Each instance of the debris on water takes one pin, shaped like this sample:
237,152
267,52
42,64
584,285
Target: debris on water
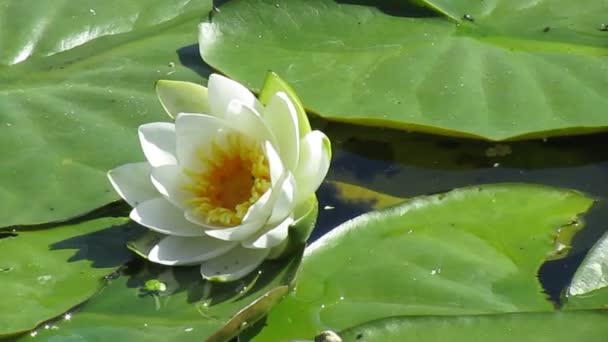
498,150
188,329
604,27
329,207
33,333
468,17
496,165
67,316
171,64
436,271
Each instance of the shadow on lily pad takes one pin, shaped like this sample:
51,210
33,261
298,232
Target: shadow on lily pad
104,248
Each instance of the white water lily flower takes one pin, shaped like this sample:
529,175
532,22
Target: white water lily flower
223,182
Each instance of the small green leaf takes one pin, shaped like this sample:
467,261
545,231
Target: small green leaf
182,97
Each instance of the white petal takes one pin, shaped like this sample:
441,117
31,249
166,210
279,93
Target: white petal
161,216
233,265
177,250
132,182
222,90
261,209
195,134
273,84
285,202
157,140
182,97
169,181
248,121
315,156
273,237
282,119
277,171
237,233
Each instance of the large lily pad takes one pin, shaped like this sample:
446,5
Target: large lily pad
537,327
46,272
514,69
470,251
190,309
77,80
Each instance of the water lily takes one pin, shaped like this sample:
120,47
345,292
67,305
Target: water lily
224,183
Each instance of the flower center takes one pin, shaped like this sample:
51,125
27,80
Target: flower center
236,177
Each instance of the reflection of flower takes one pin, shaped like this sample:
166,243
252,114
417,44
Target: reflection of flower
223,186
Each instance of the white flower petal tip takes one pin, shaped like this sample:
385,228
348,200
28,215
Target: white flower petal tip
315,158
225,185
233,265
131,182
274,84
161,216
273,237
282,119
176,250
222,90
182,97
157,141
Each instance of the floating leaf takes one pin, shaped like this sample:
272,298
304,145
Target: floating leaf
470,251
190,309
77,80
46,272
511,69
549,327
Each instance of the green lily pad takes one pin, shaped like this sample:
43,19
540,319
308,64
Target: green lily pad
512,69
537,327
177,304
77,80
471,251
189,309
46,272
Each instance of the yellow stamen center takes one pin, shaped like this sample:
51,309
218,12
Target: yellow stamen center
236,177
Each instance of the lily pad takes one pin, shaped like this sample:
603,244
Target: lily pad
538,327
77,80
490,69
189,309
471,251
46,272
